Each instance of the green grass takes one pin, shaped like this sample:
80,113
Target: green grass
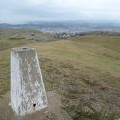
10,38
78,67
84,70
80,114
94,60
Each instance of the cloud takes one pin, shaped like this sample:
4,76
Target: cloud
14,11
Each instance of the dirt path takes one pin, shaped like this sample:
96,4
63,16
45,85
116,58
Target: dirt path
53,112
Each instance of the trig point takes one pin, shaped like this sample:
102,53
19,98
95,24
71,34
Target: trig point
27,89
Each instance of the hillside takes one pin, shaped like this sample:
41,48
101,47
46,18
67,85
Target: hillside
85,71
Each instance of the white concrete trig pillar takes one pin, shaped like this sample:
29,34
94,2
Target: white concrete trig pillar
27,88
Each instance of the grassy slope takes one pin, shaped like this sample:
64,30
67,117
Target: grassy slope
84,70
10,38
87,54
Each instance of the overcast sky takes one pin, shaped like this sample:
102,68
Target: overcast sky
20,11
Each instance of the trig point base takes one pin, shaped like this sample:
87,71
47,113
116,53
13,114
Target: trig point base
27,88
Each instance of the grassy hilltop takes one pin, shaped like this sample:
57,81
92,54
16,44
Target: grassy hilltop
85,70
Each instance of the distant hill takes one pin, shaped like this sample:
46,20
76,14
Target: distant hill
66,26
5,25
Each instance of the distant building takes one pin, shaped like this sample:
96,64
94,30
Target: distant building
62,35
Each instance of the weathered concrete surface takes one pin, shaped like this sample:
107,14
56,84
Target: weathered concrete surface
27,86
